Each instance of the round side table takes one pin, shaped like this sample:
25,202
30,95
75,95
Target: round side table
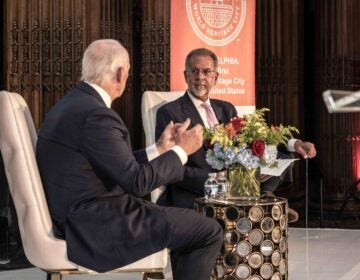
255,245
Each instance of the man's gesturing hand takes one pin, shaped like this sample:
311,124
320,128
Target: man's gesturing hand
167,139
305,149
189,139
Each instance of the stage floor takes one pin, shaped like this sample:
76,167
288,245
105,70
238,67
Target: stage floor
324,254
314,254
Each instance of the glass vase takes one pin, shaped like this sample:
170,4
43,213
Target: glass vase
270,154
243,183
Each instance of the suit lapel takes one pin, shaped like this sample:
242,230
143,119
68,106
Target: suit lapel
189,110
219,112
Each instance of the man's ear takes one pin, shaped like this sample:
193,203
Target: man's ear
216,77
120,74
185,76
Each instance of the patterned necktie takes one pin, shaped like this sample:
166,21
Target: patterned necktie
210,115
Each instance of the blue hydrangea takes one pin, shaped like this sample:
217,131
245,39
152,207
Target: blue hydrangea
229,157
220,159
218,151
247,159
214,161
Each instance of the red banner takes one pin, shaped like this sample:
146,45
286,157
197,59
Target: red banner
227,27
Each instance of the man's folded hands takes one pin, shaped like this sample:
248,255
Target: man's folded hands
190,140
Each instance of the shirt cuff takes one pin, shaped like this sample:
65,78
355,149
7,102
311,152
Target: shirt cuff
181,153
152,152
291,144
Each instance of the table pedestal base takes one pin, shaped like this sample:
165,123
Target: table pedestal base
255,243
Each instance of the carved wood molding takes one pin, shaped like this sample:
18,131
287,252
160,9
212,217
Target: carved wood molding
155,47
46,40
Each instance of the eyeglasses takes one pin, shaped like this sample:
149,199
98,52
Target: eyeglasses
205,72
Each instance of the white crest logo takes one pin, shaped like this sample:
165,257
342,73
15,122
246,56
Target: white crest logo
216,22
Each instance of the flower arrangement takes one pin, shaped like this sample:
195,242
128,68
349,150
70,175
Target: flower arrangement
239,147
243,141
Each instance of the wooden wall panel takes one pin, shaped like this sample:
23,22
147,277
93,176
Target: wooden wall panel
302,49
337,62
279,60
45,41
116,23
279,68
155,45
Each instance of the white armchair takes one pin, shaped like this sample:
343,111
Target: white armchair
150,103
17,143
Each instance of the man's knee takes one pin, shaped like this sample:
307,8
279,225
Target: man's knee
215,229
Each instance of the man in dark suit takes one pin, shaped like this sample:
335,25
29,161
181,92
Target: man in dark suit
94,182
201,75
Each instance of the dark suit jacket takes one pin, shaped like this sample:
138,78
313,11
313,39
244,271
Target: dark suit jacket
183,193
93,182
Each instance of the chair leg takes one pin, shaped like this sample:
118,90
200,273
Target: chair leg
53,276
153,275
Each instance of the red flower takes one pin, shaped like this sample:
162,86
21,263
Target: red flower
257,148
238,123
229,129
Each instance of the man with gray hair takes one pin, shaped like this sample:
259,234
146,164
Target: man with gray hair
94,181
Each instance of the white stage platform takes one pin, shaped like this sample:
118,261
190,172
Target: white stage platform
324,254
314,254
